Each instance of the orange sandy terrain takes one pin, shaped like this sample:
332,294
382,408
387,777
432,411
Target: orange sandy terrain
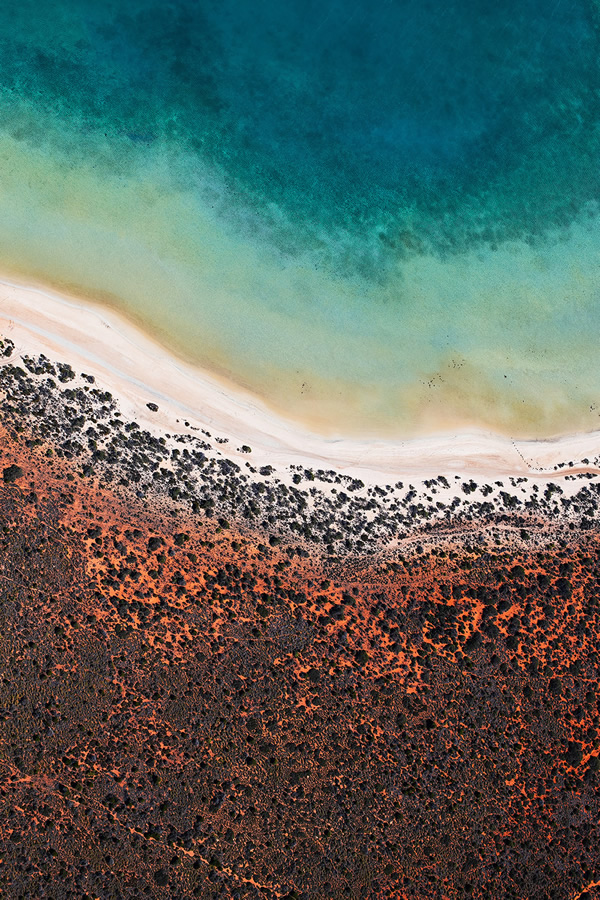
186,711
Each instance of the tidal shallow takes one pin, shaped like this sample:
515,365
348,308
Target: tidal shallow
382,221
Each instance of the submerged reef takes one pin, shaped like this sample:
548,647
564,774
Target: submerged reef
224,682
376,219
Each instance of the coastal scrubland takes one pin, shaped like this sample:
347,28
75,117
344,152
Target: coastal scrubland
226,682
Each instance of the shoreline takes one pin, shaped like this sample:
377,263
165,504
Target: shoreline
138,370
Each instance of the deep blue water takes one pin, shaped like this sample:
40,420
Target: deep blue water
351,138
344,114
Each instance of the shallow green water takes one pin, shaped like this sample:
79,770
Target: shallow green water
381,218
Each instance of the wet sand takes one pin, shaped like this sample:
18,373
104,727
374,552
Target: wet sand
139,371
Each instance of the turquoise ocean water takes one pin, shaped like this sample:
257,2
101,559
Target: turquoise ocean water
380,217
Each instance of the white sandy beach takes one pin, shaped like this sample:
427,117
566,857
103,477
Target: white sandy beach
137,370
